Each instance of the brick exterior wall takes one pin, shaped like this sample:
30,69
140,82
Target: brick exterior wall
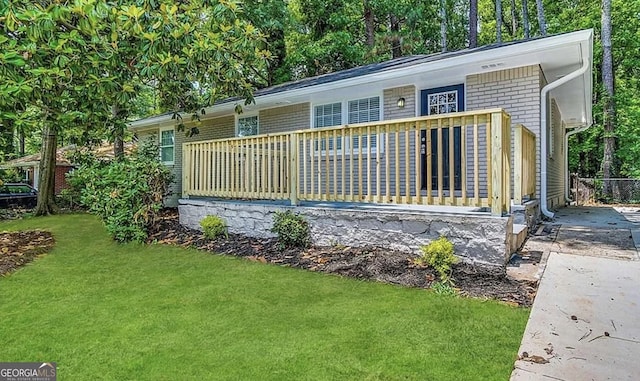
391,96
286,118
60,181
516,90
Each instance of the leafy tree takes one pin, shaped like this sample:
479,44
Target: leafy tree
67,59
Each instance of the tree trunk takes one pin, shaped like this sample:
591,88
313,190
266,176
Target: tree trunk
118,132
473,23
369,24
542,22
514,19
396,48
443,25
46,186
608,162
525,19
499,21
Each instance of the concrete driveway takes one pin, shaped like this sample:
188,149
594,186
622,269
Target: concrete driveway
583,324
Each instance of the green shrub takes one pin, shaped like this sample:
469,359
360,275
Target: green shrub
291,228
126,193
439,255
214,227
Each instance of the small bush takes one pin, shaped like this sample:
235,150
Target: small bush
214,227
291,228
439,255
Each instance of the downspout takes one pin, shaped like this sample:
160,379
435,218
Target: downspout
544,105
567,187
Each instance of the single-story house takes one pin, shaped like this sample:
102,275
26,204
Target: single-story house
398,152
30,165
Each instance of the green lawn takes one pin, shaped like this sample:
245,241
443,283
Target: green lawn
107,311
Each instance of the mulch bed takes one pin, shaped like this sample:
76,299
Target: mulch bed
371,263
19,248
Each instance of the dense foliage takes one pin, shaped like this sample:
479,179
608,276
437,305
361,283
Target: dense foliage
125,193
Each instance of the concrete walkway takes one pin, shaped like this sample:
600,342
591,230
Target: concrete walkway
584,321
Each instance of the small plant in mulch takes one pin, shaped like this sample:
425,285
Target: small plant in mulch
19,248
439,255
214,227
292,230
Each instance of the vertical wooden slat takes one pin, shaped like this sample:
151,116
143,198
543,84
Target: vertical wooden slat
429,165
452,163
343,178
397,197
440,165
327,189
281,163
202,173
379,150
228,168
305,140
294,168
417,176
407,165
463,164
335,163
387,169
369,158
489,137
360,180
312,172
476,162
351,164
186,168
319,166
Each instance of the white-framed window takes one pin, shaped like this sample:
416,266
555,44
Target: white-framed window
363,111
327,115
247,125
352,111
167,145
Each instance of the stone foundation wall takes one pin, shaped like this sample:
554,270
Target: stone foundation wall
527,214
478,238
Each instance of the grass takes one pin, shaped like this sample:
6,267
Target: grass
106,311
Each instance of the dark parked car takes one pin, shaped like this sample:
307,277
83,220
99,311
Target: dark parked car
17,195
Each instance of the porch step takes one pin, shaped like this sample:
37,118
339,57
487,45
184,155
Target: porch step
519,234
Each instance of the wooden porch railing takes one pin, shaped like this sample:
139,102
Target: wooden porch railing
458,159
524,179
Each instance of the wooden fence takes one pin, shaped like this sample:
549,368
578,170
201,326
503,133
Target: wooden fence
457,159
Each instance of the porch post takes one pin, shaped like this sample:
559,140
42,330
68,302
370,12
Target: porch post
186,169
497,168
294,141
518,151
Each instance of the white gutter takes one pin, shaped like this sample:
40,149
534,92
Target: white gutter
567,187
544,105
